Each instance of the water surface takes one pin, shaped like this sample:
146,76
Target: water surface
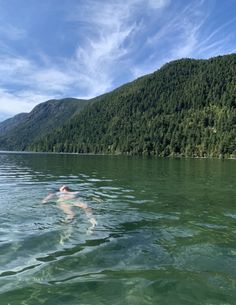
165,234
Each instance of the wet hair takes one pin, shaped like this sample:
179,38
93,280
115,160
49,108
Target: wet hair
64,187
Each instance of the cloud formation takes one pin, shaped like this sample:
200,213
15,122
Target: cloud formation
86,48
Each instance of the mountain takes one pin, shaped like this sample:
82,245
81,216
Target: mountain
11,123
187,108
23,129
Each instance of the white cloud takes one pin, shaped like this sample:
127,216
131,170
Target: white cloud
98,60
12,103
25,72
22,101
113,27
101,55
158,4
11,32
184,32
12,66
92,69
115,39
96,63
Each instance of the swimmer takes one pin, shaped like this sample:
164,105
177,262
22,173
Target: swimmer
66,199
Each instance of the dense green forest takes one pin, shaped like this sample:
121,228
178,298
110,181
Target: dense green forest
187,108
20,131
9,124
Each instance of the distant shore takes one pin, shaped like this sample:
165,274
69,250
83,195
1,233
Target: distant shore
103,154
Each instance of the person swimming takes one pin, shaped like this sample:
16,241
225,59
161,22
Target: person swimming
66,199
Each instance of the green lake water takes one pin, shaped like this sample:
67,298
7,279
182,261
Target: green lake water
165,233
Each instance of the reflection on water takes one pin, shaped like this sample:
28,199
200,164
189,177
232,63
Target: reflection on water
165,231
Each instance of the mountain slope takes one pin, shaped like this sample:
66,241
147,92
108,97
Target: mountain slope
187,108
11,123
43,119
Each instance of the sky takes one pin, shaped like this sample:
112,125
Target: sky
84,48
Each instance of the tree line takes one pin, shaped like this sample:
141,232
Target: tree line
187,108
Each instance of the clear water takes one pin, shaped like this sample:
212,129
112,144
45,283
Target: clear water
165,234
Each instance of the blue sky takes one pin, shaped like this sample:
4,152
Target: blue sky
84,48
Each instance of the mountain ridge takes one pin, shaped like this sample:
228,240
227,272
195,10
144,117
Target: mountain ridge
41,120
8,124
186,108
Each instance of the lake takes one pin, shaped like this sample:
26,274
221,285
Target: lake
165,232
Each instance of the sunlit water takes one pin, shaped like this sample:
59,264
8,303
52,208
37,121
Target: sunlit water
165,233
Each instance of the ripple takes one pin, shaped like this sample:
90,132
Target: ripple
231,215
15,272
163,236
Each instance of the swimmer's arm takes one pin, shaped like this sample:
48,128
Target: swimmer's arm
48,197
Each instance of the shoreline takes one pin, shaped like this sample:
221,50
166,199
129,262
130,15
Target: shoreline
120,154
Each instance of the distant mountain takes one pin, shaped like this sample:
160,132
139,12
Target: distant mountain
187,108
11,123
23,129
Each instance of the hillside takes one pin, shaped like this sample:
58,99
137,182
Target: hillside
187,108
22,130
11,123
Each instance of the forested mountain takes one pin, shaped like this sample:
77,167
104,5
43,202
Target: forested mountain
11,123
187,108
20,131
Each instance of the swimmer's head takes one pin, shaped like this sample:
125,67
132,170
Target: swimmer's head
64,188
